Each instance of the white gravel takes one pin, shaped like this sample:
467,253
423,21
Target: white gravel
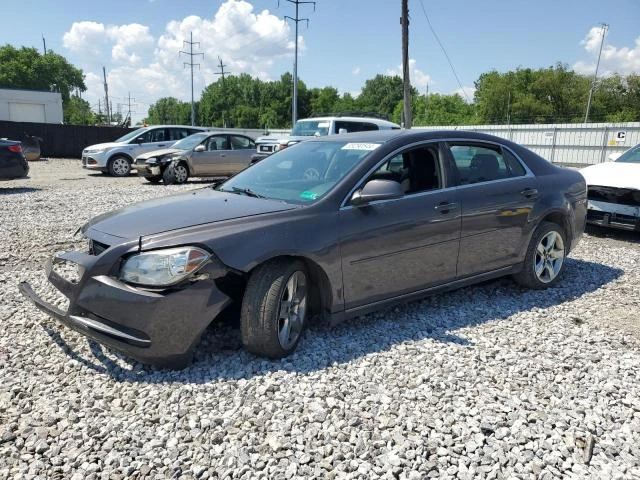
490,381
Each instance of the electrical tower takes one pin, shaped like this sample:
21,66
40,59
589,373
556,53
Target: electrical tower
603,30
296,20
191,43
222,73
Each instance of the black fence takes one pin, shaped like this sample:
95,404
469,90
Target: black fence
66,141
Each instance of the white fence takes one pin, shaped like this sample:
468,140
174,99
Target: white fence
568,144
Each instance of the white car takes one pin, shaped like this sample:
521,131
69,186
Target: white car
116,158
614,191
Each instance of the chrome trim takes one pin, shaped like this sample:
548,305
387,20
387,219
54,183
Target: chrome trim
345,203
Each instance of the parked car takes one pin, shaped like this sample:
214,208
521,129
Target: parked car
392,216
200,155
614,191
319,127
116,158
13,163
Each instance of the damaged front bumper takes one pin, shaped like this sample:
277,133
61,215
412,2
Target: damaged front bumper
614,207
159,327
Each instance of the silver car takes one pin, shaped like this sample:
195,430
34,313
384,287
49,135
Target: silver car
207,154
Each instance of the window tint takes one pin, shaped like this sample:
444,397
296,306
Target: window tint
350,126
156,135
416,170
178,133
241,143
484,163
218,142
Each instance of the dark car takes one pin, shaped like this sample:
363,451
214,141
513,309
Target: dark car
386,217
200,155
13,164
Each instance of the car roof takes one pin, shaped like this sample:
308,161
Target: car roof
377,121
175,126
383,136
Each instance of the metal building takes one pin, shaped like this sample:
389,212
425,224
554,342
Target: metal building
30,106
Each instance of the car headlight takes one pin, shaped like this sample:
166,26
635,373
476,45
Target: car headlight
97,150
151,160
161,268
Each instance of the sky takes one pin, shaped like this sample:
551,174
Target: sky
345,43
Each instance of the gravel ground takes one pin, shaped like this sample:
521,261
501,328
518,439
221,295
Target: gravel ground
490,381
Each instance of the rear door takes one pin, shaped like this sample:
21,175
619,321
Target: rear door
497,194
239,156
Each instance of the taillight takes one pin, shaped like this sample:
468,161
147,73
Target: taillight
15,148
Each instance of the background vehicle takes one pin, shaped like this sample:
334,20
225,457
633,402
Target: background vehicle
116,158
614,191
390,217
200,155
13,164
319,127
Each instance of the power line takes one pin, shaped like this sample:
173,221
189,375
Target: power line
191,43
444,51
603,31
296,20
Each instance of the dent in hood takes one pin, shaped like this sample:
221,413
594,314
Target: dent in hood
180,211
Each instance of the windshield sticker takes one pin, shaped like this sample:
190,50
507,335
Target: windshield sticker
360,146
307,195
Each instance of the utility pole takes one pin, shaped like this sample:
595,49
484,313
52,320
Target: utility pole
296,20
406,80
191,43
509,108
222,73
129,110
603,31
44,44
106,96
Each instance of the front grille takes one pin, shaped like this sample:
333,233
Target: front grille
84,160
620,196
96,248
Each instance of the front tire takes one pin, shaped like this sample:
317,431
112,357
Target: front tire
545,258
154,179
274,308
175,174
119,166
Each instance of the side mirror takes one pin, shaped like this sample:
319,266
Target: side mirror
377,190
199,148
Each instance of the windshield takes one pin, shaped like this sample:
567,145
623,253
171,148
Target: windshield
131,135
302,173
630,156
308,128
190,142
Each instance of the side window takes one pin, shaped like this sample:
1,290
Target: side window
157,135
369,126
218,142
484,163
348,126
241,143
176,134
416,170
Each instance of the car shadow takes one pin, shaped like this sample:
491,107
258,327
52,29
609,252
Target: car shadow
220,356
613,234
17,190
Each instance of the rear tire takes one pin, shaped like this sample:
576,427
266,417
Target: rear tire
274,308
175,174
545,259
119,166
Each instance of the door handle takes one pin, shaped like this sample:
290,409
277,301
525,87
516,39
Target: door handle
529,192
446,207
162,145
222,155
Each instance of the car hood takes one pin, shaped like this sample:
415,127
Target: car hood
160,153
198,207
298,138
613,174
101,146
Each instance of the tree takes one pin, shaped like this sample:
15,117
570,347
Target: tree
78,112
437,109
170,110
381,94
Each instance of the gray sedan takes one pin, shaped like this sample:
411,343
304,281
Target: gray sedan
330,228
199,155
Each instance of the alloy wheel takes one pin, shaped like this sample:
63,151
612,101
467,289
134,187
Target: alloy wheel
292,310
549,257
120,166
181,173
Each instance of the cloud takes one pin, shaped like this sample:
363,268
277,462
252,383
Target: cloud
356,71
622,60
419,79
248,41
469,91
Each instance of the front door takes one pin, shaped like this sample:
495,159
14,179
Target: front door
497,195
210,162
400,246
